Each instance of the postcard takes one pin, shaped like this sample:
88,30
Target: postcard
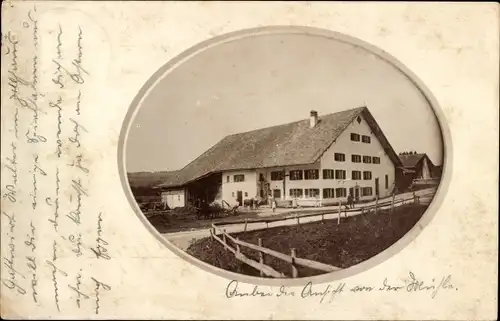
249,160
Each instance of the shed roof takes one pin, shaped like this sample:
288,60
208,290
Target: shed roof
277,146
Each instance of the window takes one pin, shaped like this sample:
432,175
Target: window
339,157
227,179
366,191
340,192
277,176
296,192
232,194
239,178
367,175
355,137
328,174
311,174
312,192
328,193
356,175
356,158
340,174
261,177
246,194
376,160
386,181
276,193
296,175
366,139
367,159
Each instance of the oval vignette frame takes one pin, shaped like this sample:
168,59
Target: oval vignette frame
327,277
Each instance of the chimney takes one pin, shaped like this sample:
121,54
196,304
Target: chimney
313,119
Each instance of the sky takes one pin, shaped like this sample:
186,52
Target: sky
267,80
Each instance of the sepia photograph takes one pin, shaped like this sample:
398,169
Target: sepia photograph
284,154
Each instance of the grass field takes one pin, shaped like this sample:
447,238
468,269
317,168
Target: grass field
356,239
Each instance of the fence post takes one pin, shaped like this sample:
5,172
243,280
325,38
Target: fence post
340,209
224,239
376,204
295,272
246,223
322,217
414,198
261,256
298,219
237,253
237,247
392,202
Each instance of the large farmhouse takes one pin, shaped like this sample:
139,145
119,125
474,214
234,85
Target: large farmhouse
316,161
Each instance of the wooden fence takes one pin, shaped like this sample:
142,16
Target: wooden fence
223,238
234,244
426,181
341,209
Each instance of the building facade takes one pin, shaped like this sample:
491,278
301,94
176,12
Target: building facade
315,162
355,163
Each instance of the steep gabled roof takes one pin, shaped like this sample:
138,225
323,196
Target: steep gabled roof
283,145
411,160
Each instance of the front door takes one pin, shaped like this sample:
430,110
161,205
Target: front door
239,197
376,187
276,193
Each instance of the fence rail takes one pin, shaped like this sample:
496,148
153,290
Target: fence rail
267,270
261,266
426,181
344,210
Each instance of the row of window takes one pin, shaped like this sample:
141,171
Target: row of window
356,138
246,194
328,174
327,192
309,174
340,157
314,192
236,178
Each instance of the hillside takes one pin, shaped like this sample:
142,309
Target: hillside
142,183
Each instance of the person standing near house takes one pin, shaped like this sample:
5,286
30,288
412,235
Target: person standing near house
350,201
273,205
256,202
